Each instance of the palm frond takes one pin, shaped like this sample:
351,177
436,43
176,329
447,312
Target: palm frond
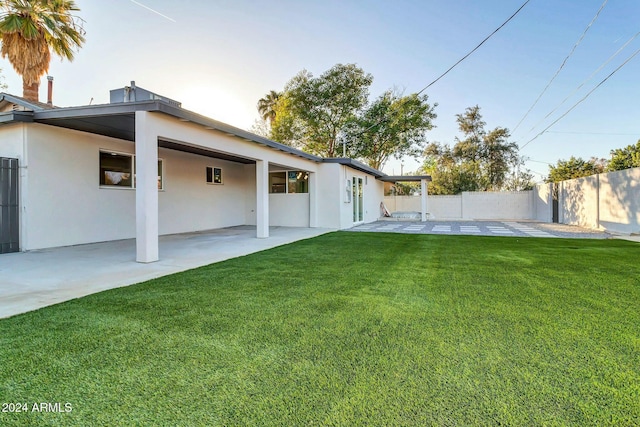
31,29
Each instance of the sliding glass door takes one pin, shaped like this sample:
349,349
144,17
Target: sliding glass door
357,195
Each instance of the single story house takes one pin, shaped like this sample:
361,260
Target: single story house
142,166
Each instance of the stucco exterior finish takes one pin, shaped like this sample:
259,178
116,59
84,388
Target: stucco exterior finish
289,210
67,206
340,180
13,142
64,204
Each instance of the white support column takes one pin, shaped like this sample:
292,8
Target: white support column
262,202
313,199
146,170
423,198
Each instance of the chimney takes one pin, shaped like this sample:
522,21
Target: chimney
50,91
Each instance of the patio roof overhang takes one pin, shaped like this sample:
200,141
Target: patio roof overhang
117,120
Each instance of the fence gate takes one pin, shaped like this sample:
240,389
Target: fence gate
9,222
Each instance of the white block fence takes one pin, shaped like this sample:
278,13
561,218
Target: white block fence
518,205
608,201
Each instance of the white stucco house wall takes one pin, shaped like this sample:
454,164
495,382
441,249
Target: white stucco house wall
140,168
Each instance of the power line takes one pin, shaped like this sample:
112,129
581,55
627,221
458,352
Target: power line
475,48
584,33
538,161
454,65
459,61
585,97
585,81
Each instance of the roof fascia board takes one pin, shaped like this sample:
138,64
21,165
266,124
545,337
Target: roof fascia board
355,165
405,178
16,117
96,110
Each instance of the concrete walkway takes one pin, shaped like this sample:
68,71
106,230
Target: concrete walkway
40,278
485,228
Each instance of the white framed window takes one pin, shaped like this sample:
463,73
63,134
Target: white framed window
117,170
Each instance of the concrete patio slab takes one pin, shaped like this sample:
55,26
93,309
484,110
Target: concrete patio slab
35,279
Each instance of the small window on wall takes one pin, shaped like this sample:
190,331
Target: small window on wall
214,175
289,182
116,170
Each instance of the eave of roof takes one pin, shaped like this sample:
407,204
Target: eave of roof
355,165
16,117
405,178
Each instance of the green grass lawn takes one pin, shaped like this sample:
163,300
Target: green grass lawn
347,329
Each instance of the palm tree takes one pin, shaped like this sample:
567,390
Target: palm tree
31,29
267,106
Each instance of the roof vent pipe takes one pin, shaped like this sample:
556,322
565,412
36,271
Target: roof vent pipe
132,89
50,91
130,92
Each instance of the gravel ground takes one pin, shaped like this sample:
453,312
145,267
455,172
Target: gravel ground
484,228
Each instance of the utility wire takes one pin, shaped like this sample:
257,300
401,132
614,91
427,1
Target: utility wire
538,161
585,81
585,97
454,65
476,48
584,33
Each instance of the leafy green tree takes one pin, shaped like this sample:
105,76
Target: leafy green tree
575,167
480,161
625,158
325,105
31,30
288,128
329,114
520,180
491,150
450,174
393,125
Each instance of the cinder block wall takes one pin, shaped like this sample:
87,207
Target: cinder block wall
608,201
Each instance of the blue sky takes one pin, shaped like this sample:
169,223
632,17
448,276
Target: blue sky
219,57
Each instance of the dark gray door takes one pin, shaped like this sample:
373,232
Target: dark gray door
555,215
9,222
